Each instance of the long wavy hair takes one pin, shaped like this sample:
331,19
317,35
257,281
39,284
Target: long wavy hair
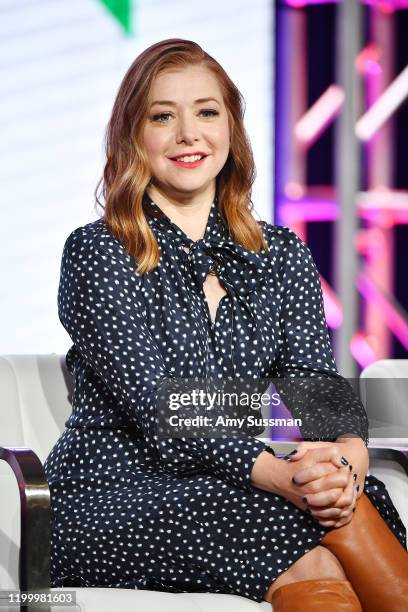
127,174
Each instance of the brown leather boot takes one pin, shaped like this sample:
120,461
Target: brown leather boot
326,595
373,560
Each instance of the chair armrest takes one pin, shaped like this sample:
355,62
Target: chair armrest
35,532
390,453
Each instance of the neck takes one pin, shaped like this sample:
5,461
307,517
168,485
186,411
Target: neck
190,216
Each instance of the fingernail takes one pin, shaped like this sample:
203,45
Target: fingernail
355,476
305,500
344,461
354,508
350,467
289,454
358,487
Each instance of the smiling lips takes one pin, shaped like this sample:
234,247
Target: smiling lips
189,154
189,161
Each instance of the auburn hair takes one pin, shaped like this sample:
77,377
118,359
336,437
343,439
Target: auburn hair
126,173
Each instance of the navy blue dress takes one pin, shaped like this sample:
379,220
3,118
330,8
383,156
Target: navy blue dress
133,510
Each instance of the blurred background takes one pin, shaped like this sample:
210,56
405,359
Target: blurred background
341,164
324,84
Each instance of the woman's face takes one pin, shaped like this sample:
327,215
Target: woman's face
180,123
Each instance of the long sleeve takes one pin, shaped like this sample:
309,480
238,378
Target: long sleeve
101,306
311,385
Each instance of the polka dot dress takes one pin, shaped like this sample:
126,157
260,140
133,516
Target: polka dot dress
133,510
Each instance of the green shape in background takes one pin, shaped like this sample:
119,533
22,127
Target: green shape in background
122,11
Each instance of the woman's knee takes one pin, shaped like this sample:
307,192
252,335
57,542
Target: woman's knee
316,564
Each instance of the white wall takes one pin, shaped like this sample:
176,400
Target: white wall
61,64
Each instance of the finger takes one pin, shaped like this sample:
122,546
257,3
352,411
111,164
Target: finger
313,474
347,515
302,448
326,478
348,510
320,455
346,499
330,512
327,522
295,456
343,522
326,499
341,508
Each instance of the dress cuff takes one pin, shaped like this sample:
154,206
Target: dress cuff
232,459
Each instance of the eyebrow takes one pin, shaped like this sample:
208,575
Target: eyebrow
171,103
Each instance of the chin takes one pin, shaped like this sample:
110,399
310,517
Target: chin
188,187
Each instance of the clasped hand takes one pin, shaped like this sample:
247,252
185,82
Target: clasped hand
328,487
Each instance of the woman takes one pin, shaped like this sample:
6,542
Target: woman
177,281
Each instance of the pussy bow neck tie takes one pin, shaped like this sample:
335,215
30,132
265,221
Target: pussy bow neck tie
240,271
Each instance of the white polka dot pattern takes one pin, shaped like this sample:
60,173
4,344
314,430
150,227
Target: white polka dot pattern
132,510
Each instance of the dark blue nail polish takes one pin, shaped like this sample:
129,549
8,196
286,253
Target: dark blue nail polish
350,467
354,509
289,454
344,461
355,476
304,499
357,487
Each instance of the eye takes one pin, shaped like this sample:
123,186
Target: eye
161,117
213,112
158,117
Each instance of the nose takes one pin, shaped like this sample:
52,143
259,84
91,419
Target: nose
187,129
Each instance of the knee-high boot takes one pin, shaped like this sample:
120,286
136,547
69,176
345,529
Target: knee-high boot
327,595
373,560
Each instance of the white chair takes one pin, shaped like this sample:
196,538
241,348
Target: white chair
36,392
384,393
